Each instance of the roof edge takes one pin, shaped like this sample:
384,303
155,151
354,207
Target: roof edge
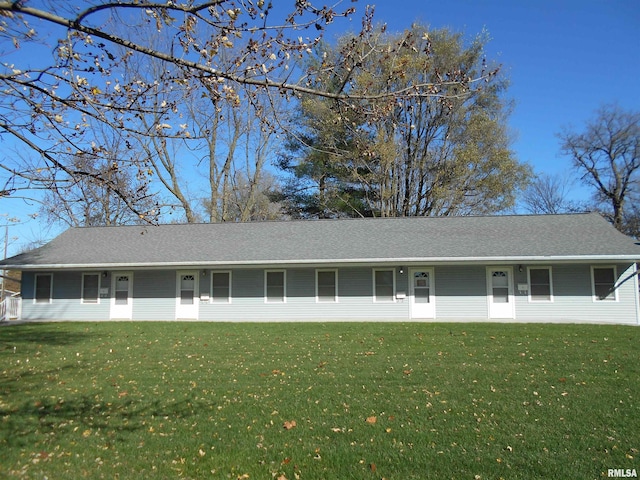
333,261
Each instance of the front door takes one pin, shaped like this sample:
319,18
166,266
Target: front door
422,291
500,292
187,295
122,297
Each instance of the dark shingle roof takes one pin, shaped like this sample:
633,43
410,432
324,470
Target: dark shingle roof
423,239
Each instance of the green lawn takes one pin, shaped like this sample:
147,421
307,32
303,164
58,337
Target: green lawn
318,401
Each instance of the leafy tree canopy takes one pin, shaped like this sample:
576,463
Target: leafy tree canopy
446,153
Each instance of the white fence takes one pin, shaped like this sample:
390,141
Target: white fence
10,308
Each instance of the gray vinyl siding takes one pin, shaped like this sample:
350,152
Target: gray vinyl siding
355,300
460,294
573,299
66,303
154,295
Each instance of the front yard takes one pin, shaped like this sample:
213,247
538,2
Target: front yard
318,401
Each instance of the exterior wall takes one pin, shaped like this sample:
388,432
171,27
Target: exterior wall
66,299
154,295
573,299
355,301
460,295
461,292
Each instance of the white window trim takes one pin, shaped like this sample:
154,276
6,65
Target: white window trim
393,293
284,279
35,285
211,299
593,284
541,267
335,276
82,300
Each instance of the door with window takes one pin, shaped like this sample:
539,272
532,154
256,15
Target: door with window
187,295
422,293
122,296
500,292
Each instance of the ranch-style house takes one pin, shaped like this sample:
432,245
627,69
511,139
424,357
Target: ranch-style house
512,268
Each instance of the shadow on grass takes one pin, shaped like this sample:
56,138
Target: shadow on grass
38,333
84,416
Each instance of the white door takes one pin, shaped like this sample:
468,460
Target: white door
422,293
122,297
500,292
187,296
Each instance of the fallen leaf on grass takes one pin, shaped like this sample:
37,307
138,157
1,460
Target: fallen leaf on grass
288,425
373,467
373,419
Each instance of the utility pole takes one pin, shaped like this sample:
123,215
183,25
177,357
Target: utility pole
4,271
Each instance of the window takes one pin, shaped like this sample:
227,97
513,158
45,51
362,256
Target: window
275,286
187,289
122,284
604,282
326,285
221,287
384,285
90,288
421,286
43,288
540,286
500,286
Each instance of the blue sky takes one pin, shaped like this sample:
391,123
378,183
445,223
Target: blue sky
564,58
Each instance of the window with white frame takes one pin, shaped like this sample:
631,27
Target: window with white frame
43,288
384,285
326,286
90,288
221,287
275,289
603,281
540,284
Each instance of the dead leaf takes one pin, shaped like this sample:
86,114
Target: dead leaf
288,425
373,419
282,477
373,467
